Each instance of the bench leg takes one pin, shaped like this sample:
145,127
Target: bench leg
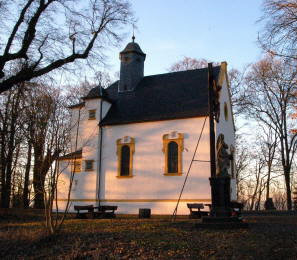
195,215
105,215
81,215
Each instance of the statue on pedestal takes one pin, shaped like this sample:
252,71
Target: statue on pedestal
223,157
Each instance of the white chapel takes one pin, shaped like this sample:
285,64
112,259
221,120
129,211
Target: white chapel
133,142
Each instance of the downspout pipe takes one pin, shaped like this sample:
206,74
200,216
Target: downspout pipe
100,152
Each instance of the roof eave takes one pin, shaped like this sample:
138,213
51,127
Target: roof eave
79,105
150,120
133,51
74,155
98,97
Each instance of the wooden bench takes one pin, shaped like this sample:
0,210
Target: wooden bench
235,206
89,211
84,211
106,211
195,210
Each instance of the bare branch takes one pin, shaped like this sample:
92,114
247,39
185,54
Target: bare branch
42,25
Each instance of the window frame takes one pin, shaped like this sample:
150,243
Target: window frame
92,111
92,164
125,164
226,111
179,140
172,158
130,142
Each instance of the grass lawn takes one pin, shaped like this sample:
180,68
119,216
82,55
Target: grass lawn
156,238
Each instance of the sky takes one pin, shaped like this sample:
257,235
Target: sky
217,30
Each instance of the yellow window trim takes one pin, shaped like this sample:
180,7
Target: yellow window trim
180,142
74,168
92,111
173,174
131,145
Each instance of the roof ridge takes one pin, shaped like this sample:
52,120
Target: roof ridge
164,74
180,71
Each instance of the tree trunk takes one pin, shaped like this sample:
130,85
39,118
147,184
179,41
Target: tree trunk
268,182
260,195
288,188
27,173
41,167
5,198
3,186
38,184
8,144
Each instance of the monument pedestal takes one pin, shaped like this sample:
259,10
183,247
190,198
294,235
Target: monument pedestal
220,193
220,213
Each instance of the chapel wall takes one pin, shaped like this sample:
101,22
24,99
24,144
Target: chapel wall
149,186
226,127
84,186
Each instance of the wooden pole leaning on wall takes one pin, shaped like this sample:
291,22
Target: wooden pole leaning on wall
211,121
212,137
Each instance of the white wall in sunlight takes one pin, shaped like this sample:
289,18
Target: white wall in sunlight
149,182
227,128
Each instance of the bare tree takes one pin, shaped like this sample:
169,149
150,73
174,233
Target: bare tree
10,139
47,35
28,133
257,180
271,85
268,145
242,161
188,63
60,139
42,109
236,80
279,34
279,197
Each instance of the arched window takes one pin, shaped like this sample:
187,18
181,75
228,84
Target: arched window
125,151
125,160
172,148
172,159
226,111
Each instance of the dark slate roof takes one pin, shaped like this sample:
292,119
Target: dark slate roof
81,104
93,93
74,155
97,92
133,47
160,97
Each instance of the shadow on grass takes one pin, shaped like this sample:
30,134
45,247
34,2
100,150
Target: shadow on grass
124,238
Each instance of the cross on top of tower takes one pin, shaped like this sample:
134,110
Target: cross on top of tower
133,37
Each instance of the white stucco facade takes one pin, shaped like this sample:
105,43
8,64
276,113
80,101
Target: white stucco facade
148,187
225,125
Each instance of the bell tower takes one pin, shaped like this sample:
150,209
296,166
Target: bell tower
132,65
